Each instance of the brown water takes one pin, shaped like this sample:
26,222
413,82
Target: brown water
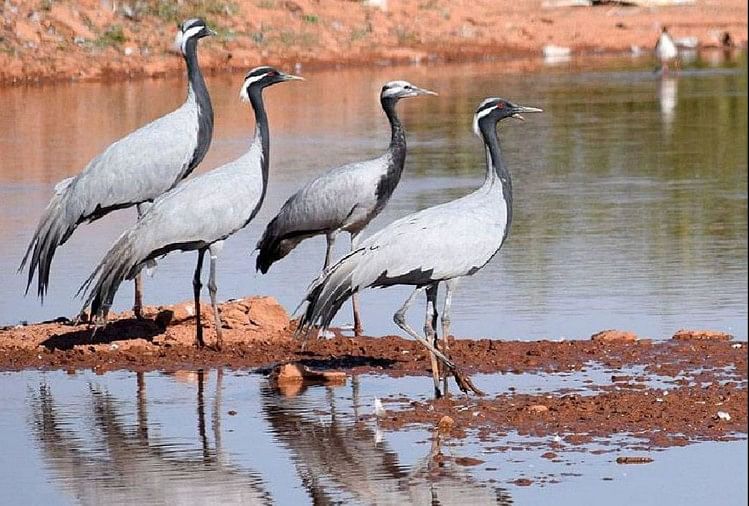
630,205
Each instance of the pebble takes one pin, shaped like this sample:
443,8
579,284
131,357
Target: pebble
722,415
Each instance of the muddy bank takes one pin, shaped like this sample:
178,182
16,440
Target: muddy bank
701,376
54,40
259,333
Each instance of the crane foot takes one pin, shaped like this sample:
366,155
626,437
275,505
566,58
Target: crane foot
464,382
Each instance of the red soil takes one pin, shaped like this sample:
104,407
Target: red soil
43,40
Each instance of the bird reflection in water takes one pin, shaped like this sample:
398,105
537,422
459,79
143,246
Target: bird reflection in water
97,451
342,458
107,459
667,98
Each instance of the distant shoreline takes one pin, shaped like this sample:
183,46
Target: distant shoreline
82,41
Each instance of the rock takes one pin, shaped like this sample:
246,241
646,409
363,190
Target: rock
295,373
538,408
68,21
614,336
445,425
468,461
701,335
377,4
523,482
633,460
723,416
552,51
27,31
267,313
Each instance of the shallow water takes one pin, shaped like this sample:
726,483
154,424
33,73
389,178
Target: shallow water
229,437
630,206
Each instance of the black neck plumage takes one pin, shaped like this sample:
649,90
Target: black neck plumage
496,169
397,150
262,133
196,85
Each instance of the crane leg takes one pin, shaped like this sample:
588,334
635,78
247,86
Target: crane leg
212,291
196,286
358,329
330,239
400,319
430,324
138,303
450,286
464,382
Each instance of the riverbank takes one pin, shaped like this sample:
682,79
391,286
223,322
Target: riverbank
59,40
692,387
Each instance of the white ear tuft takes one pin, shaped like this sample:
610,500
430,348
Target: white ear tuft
177,44
476,117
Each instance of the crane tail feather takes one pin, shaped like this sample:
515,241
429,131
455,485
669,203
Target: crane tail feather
54,228
121,262
330,291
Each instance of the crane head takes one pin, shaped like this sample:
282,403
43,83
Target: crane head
493,110
260,77
192,29
402,89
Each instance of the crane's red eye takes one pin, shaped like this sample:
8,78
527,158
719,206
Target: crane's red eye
501,105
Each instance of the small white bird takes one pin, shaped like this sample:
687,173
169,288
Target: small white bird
665,50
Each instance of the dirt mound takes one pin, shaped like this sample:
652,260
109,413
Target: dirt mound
244,321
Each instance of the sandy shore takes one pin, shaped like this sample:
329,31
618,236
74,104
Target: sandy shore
704,373
43,40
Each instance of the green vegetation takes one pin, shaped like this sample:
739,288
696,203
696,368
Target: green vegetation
178,11
405,36
310,18
266,4
113,36
302,39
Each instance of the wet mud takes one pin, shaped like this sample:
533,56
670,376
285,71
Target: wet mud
701,376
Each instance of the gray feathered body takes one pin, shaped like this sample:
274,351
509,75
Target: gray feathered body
192,216
346,198
447,241
135,169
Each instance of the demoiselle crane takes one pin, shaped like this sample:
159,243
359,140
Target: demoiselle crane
346,198
197,215
440,244
132,171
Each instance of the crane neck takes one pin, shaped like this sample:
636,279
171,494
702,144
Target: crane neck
497,174
262,134
197,91
397,146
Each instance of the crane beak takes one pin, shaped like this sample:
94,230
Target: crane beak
290,77
522,109
422,91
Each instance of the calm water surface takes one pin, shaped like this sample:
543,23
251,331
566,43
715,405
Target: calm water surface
228,437
630,205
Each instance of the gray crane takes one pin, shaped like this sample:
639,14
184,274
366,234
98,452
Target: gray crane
132,171
346,198
439,244
197,215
